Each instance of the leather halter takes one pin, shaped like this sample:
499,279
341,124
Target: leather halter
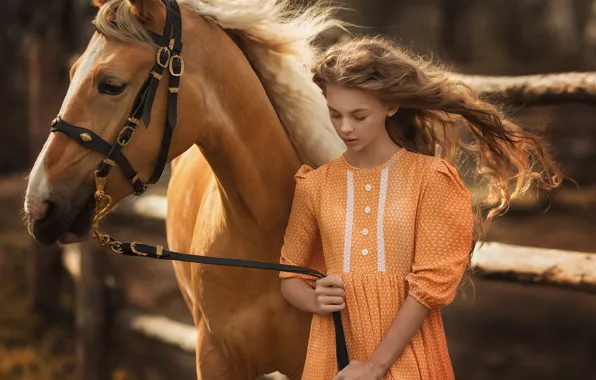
168,60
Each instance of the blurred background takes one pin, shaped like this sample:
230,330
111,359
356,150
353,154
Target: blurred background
64,315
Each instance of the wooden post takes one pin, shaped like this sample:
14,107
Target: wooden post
91,313
46,89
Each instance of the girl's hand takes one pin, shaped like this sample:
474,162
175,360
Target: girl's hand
329,295
358,371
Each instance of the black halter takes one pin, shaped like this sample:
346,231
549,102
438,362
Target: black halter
169,60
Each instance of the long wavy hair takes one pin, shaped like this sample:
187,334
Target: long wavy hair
441,116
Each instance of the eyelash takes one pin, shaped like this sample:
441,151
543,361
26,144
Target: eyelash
357,118
111,88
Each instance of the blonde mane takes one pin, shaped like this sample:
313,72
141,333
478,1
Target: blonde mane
278,39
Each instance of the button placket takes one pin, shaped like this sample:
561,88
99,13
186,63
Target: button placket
367,211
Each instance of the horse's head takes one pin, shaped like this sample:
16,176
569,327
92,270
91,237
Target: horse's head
114,122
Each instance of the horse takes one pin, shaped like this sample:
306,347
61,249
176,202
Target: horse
248,116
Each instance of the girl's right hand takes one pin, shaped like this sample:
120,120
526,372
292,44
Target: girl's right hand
329,295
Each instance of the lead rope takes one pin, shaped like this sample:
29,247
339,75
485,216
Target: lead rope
103,204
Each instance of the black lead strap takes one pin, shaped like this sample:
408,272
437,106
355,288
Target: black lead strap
158,252
168,62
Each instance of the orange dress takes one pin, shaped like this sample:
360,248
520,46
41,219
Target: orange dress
398,229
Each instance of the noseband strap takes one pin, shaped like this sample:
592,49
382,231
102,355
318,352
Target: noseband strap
168,62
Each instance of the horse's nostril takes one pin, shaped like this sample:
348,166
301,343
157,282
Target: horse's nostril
51,211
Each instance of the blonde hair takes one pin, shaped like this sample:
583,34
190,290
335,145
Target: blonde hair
444,117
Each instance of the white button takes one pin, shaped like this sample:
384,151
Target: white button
364,252
367,187
367,210
365,232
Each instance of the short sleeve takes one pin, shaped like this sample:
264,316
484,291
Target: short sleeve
302,242
444,238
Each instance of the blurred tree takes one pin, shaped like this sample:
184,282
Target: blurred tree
13,145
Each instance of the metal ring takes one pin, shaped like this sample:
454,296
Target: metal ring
117,247
104,239
119,138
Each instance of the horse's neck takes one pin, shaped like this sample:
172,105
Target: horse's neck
241,136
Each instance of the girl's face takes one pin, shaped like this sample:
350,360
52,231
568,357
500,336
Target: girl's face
357,115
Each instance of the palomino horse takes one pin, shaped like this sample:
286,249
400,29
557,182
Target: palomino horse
248,116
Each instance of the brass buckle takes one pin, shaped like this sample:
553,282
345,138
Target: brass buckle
168,55
133,248
172,59
119,138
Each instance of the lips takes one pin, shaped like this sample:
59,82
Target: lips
350,140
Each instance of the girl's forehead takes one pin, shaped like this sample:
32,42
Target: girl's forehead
342,98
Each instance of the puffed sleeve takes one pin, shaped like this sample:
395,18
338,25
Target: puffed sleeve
444,237
302,242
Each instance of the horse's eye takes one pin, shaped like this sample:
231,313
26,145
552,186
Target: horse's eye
111,88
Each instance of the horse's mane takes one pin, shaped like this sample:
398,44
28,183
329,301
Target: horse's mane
278,38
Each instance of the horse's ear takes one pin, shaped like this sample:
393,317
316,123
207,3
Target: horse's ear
99,3
149,11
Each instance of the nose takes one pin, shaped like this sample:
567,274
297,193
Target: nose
346,127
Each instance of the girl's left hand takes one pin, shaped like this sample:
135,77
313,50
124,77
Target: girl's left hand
357,371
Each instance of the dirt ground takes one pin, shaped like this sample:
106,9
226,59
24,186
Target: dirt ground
502,331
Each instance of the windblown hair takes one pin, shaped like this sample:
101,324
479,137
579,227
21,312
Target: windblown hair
443,117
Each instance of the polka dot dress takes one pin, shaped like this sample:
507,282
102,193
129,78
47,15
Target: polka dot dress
398,229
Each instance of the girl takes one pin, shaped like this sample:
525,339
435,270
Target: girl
390,218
